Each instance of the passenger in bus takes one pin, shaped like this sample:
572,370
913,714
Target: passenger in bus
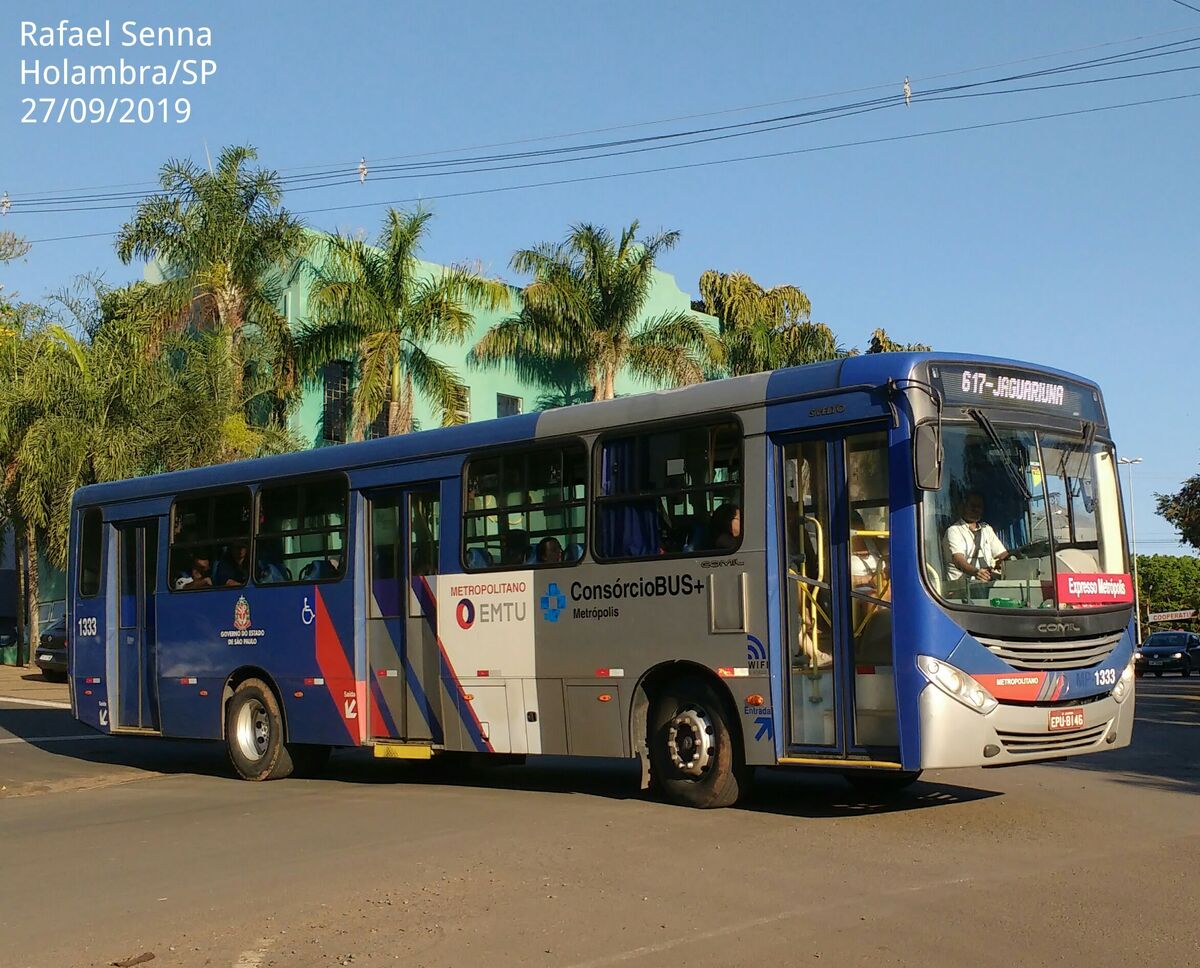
514,546
199,574
549,551
868,568
234,567
974,548
726,527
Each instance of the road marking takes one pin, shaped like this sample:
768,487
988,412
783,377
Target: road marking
653,949
36,702
53,739
253,958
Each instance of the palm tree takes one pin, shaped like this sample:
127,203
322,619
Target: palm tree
223,242
764,329
882,343
381,307
584,310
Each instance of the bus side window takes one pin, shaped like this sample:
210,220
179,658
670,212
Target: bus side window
525,509
90,535
301,534
671,493
210,542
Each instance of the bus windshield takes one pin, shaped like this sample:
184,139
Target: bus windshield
1017,508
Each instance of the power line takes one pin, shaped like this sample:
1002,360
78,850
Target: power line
31,197
721,161
1188,5
713,134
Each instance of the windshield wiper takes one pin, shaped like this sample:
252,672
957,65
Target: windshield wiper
1014,474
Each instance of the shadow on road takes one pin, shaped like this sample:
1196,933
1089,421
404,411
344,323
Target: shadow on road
1165,752
786,793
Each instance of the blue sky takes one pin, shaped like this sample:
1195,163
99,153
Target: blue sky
1067,241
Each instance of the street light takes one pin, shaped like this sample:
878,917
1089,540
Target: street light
1137,605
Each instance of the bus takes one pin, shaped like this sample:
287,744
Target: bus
876,566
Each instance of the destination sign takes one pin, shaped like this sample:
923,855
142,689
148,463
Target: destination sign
1000,386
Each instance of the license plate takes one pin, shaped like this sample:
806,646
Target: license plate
1157,661
1065,719
46,658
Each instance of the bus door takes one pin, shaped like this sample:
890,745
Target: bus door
841,686
402,647
137,641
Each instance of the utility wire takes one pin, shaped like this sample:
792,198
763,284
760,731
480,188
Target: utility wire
714,134
717,162
29,198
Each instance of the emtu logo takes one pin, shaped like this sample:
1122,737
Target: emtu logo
553,603
464,612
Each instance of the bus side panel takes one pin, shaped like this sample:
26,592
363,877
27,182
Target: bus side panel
299,636
87,633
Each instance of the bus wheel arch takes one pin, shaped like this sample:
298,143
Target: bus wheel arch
254,728
687,696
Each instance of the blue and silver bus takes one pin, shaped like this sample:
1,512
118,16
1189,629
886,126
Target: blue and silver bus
877,565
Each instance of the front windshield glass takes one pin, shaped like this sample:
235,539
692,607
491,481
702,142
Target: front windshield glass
1017,508
1166,640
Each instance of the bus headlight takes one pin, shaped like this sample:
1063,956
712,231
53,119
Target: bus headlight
1124,685
957,684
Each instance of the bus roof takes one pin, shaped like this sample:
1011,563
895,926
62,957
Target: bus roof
729,394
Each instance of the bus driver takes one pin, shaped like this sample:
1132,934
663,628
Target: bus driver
975,550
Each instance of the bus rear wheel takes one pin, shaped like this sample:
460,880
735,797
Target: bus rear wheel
254,733
693,759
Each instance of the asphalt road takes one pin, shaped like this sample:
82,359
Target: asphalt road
115,849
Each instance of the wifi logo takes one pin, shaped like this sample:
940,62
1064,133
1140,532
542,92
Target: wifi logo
756,655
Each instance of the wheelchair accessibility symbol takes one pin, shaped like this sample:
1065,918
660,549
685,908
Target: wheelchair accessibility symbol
307,614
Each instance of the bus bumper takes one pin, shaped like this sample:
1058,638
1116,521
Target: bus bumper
953,735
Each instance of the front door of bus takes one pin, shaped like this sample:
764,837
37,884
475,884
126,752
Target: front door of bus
841,688
137,650
401,638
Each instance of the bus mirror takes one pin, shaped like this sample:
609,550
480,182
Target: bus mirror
927,456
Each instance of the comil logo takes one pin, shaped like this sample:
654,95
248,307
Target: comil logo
464,612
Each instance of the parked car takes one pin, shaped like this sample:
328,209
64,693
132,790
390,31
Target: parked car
51,654
1168,652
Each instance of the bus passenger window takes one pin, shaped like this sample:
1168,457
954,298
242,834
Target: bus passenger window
671,493
526,509
90,534
301,534
210,542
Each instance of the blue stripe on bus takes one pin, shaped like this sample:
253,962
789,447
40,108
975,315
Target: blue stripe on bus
780,654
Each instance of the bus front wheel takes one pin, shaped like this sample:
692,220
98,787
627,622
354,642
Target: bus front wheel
254,733
693,759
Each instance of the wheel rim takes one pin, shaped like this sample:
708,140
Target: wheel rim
691,742
253,730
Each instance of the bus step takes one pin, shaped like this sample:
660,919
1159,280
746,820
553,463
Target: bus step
403,751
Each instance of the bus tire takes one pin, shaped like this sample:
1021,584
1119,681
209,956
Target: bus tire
880,782
308,759
254,733
694,760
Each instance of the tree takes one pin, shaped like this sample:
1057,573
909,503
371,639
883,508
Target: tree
380,307
583,311
764,329
1168,583
882,343
223,242
1182,510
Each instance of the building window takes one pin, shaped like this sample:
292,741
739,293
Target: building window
285,308
670,492
337,399
464,411
379,426
507,406
525,509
